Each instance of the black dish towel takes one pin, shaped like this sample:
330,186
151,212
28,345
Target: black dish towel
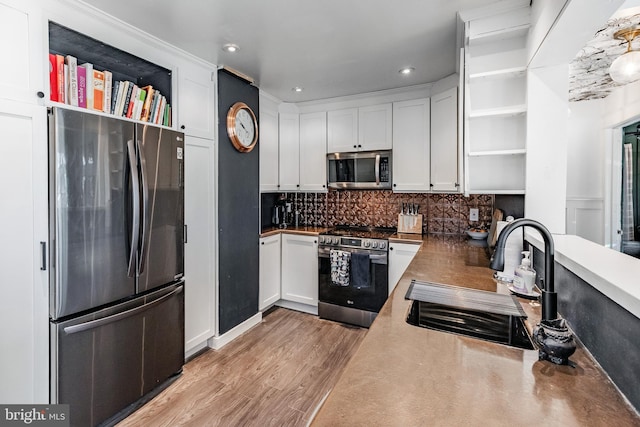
360,276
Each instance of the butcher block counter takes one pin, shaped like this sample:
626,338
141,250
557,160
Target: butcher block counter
403,375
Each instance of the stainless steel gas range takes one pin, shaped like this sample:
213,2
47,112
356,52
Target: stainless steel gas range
353,274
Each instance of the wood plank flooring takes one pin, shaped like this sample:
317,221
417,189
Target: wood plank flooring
276,374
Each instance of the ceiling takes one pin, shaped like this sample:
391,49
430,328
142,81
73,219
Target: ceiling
328,47
589,71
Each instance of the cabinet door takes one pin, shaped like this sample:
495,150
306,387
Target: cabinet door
444,141
289,167
300,269
198,264
270,270
400,256
196,101
411,155
342,130
24,306
22,73
374,127
268,145
313,151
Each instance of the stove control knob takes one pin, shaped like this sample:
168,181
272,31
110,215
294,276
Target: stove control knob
335,240
367,243
321,240
374,245
383,245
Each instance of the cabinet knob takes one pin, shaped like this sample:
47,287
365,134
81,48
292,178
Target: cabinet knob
262,243
298,185
359,146
323,185
315,241
390,248
355,146
395,185
431,185
182,127
40,94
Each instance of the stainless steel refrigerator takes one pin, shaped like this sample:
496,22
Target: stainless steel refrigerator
116,197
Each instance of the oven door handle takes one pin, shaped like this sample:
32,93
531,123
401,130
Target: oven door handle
324,253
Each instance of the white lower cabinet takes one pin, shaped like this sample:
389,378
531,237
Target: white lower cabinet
270,271
300,269
24,307
200,302
400,256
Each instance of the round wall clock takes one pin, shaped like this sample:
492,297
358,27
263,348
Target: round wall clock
242,127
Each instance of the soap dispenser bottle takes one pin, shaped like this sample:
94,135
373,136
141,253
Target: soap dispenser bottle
524,276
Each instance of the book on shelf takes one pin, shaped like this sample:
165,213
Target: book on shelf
82,87
132,101
60,85
167,115
127,98
108,83
72,82
161,104
88,67
65,79
154,106
144,114
122,93
98,90
53,77
114,96
137,107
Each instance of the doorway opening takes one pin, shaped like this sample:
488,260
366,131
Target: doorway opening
630,208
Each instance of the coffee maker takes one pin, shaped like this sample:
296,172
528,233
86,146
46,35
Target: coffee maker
281,212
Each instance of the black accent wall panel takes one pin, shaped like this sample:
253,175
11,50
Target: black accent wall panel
238,211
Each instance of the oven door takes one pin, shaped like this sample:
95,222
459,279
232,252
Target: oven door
370,298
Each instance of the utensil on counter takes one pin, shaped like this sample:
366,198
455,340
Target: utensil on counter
493,235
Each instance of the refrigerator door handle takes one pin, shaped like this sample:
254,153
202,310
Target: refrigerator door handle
119,316
43,253
145,210
135,226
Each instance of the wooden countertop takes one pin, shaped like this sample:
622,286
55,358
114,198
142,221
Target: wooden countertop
305,231
403,375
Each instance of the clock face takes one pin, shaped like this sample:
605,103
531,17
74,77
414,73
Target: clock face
242,127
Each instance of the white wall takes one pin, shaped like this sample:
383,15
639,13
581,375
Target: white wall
547,111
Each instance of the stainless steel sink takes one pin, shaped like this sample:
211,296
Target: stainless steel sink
478,314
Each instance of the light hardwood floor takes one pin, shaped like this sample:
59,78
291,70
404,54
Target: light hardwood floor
276,374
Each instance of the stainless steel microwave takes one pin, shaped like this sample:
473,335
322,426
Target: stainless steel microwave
363,170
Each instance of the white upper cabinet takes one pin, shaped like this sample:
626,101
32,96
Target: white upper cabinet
268,145
445,175
289,156
374,127
196,101
495,63
22,74
411,148
313,151
342,130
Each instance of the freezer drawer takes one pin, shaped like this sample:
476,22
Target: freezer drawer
105,361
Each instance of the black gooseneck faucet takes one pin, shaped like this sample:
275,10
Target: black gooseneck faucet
549,296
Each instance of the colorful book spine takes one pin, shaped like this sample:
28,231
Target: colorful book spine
144,115
89,86
98,90
127,98
82,87
72,83
137,108
60,79
108,84
53,77
122,92
65,80
132,101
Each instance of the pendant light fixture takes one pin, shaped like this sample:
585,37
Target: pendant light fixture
626,68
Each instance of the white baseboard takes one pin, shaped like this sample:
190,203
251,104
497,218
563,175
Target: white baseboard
220,341
189,353
305,308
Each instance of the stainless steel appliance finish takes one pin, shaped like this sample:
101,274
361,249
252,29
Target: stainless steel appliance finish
354,304
364,170
116,290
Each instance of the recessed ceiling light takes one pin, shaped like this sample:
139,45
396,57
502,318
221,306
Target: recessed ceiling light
297,89
406,70
230,47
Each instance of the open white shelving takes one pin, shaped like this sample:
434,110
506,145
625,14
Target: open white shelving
495,103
